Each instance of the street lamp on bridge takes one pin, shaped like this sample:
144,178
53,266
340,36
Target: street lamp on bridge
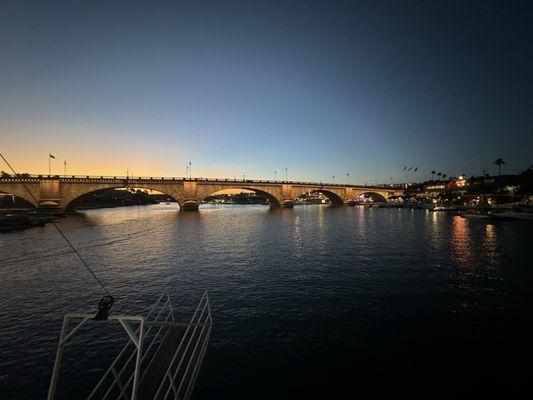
50,156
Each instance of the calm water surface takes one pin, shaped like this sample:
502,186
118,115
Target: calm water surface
306,302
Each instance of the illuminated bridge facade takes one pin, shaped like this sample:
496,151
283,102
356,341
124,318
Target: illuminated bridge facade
56,191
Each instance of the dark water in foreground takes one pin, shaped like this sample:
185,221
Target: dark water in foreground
309,302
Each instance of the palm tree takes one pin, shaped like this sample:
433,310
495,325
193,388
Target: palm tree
432,175
439,174
444,176
499,162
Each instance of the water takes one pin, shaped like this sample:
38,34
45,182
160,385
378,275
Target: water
309,302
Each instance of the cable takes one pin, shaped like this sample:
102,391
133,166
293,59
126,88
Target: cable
81,259
67,252
60,232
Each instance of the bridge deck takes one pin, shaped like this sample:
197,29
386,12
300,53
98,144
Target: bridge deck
140,179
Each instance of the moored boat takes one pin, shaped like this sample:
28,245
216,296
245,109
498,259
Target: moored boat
481,214
11,222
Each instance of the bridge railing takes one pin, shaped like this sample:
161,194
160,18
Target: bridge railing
73,178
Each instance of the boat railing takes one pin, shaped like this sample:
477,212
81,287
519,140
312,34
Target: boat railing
143,367
183,368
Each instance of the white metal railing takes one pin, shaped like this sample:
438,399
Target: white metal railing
178,374
126,372
117,376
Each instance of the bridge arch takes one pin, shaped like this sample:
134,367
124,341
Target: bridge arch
69,198
272,199
375,196
18,190
26,200
334,199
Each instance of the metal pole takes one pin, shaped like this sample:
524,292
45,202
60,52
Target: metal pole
57,363
286,175
49,164
65,163
138,362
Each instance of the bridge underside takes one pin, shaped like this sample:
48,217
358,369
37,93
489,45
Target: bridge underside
373,196
334,199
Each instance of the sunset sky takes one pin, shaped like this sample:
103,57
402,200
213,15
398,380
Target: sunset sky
321,88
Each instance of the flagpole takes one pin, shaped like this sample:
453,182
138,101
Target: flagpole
49,165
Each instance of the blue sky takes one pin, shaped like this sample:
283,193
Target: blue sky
320,88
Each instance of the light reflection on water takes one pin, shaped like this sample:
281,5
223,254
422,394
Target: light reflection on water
490,246
293,291
461,241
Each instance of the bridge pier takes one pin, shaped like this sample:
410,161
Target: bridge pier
189,205
287,204
287,196
50,209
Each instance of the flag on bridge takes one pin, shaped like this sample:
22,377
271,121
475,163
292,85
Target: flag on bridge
51,155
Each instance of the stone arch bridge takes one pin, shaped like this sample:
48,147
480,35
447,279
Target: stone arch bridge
55,191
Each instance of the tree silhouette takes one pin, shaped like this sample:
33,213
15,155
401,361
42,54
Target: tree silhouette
432,175
499,162
444,176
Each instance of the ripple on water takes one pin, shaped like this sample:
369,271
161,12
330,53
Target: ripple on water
292,291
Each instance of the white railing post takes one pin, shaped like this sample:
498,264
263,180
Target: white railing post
57,362
138,362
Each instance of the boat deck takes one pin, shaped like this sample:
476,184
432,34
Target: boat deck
172,372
